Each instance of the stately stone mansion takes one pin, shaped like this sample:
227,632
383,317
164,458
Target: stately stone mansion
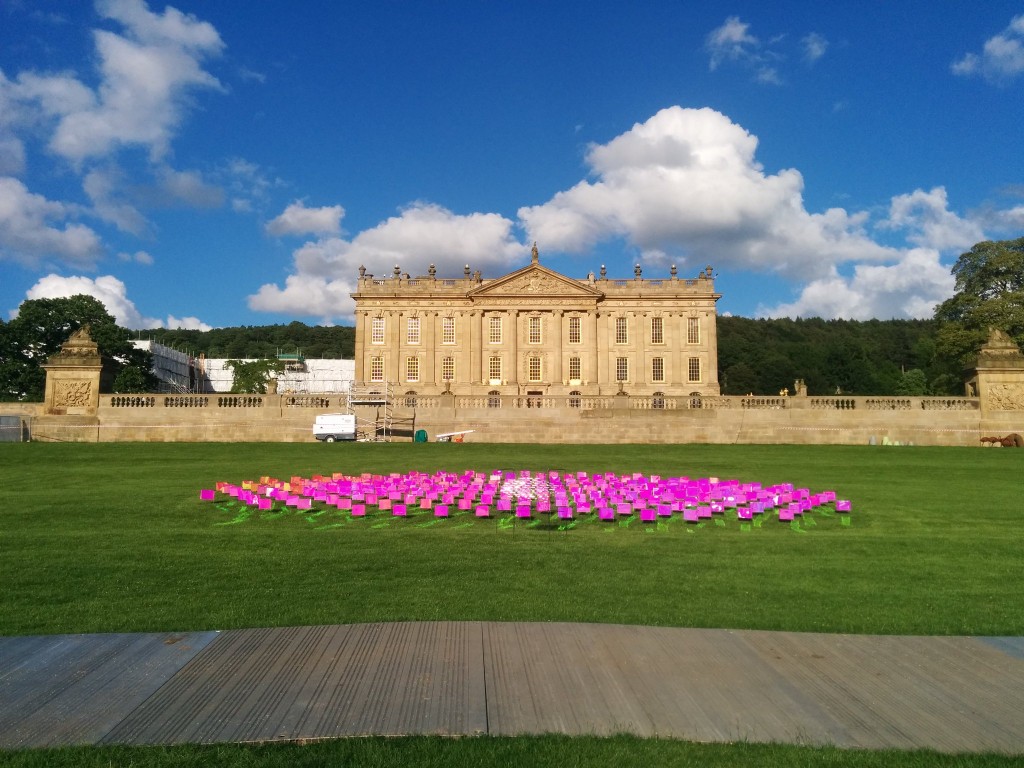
535,333
531,357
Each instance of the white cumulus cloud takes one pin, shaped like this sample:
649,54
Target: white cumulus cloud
909,288
113,294
325,270
686,183
930,223
297,219
1001,58
34,229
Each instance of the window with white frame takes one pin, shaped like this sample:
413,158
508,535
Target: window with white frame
494,330
377,330
575,332
534,329
448,369
657,330
447,330
621,330
622,369
494,368
412,369
658,369
534,369
575,368
376,369
693,330
412,331
693,370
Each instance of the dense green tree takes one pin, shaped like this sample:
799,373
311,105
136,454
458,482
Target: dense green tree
912,382
42,325
989,293
251,376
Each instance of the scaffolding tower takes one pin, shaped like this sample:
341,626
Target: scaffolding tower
381,396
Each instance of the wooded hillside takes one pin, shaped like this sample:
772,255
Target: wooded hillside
873,357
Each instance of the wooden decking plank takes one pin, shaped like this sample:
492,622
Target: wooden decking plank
89,683
953,694
892,692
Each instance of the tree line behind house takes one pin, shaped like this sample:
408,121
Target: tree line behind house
765,356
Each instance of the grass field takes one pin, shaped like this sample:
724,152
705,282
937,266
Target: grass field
113,537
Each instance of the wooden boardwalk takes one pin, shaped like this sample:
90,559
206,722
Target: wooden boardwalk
953,694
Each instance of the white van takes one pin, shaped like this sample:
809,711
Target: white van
329,427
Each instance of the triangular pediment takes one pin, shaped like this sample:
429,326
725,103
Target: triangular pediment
535,280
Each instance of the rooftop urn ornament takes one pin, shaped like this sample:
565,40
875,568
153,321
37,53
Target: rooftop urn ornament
673,271
637,271
432,271
465,271
604,272
398,272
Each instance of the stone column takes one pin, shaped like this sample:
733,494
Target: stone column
556,343
476,347
363,322
430,346
513,317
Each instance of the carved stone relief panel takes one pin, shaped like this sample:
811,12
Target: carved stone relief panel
1006,397
72,394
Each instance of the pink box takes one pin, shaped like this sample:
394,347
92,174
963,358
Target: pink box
207,494
304,503
398,510
344,503
842,505
522,510
785,515
744,513
564,513
465,504
647,515
690,515
358,510
384,504
266,503
483,511
606,513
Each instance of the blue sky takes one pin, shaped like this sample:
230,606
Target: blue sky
219,163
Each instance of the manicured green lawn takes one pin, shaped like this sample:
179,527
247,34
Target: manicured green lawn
533,751
113,537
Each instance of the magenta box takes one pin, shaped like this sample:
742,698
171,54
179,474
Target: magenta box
483,511
358,510
207,494
398,510
441,510
842,505
522,510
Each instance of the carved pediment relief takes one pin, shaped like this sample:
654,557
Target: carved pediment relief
537,281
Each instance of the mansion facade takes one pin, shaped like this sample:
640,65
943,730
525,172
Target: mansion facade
535,332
